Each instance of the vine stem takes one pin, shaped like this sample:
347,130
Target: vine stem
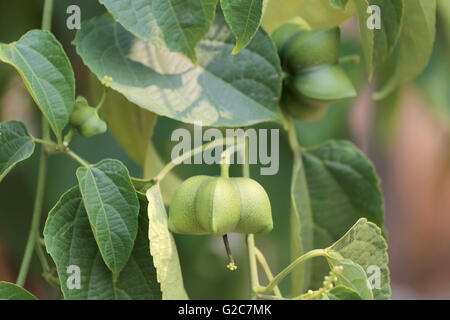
311,254
56,148
262,261
36,218
42,173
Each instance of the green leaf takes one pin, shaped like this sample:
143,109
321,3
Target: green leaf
341,292
47,73
340,4
414,47
244,18
130,125
335,187
113,209
10,291
222,91
173,25
163,248
15,145
352,275
70,242
378,44
364,244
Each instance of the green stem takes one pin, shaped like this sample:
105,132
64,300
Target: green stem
35,221
102,101
77,158
47,15
263,262
254,281
309,255
39,198
292,135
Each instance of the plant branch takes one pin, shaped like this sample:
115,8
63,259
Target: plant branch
262,261
35,221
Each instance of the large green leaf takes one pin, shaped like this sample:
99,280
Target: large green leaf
163,248
10,291
335,187
174,25
223,90
244,18
378,44
47,73
113,209
70,242
414,46
364,244
15,145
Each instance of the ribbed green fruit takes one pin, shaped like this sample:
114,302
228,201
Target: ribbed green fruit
312,48
218,206
255,212
182,213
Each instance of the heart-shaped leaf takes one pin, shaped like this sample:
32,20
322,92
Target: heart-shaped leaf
15,145
48,75
113,209
10,291
72,245
363,244
223,90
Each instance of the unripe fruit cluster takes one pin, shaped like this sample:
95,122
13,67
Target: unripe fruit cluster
85,119
218,205
314,77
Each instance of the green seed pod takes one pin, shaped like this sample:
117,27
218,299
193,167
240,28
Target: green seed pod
312,48
301,109
218,206
323,84
256,212
182,213
85,119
